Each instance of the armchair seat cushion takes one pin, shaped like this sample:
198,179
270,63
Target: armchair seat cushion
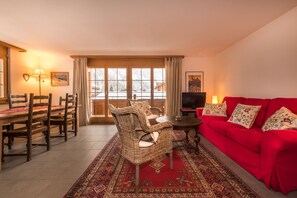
149,141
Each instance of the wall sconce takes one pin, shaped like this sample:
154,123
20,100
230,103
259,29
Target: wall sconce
26,76
215,100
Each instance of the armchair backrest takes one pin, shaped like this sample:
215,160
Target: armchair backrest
142,105
128,120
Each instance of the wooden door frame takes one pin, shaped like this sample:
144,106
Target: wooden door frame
107,118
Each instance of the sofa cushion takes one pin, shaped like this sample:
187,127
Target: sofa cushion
206,119
232,103
222,126
277,103
244,115
264,103
215,109
281,119
249,138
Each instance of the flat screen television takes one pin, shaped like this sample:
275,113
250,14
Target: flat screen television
193,99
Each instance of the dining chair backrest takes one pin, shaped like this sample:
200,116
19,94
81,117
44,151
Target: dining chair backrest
73,104
70,102
17,101
68,118
39,110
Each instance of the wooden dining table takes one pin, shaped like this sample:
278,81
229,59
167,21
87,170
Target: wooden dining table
19,114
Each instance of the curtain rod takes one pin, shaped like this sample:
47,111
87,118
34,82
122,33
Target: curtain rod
128,56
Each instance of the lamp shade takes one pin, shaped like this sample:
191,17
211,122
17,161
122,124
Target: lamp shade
215,100
38,72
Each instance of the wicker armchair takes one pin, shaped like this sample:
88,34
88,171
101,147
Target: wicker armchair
151,113
141,142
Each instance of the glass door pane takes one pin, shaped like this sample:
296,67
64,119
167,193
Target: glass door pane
117,87
159,88
141,83
97,92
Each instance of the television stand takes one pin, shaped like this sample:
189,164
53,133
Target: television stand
188,111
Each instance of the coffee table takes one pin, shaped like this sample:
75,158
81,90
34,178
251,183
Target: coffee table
186,124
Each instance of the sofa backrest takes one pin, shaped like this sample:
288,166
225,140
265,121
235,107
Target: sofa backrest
232,102
264,103
277,103
268,106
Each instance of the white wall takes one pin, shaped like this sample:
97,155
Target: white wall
264,64
204,64
26,62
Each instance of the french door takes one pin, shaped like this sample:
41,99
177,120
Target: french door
117,85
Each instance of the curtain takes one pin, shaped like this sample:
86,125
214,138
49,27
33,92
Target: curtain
80,86
173,66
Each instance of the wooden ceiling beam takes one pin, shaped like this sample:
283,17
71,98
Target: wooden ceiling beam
12,46
128,56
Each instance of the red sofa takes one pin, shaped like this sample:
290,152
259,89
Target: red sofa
270,156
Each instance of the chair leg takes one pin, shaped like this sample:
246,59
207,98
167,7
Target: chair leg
2,158
48,143
10,139
60,129
65,130
137,178
72,125
171,160
29,148
9,142
75,128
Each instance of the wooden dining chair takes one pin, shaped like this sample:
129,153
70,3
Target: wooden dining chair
68,118
39,112
17,101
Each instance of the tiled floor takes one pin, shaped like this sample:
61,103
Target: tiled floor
51,174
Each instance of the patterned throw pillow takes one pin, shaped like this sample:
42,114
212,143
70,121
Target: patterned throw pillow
281,119
143,106
244,115
215,109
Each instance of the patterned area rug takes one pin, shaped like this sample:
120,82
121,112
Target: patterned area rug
193,175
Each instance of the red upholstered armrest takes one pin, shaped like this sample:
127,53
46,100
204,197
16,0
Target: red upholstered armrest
199,112
279,160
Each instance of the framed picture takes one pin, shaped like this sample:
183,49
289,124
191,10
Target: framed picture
194,81
59,78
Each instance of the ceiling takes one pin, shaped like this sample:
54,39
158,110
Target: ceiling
134,27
